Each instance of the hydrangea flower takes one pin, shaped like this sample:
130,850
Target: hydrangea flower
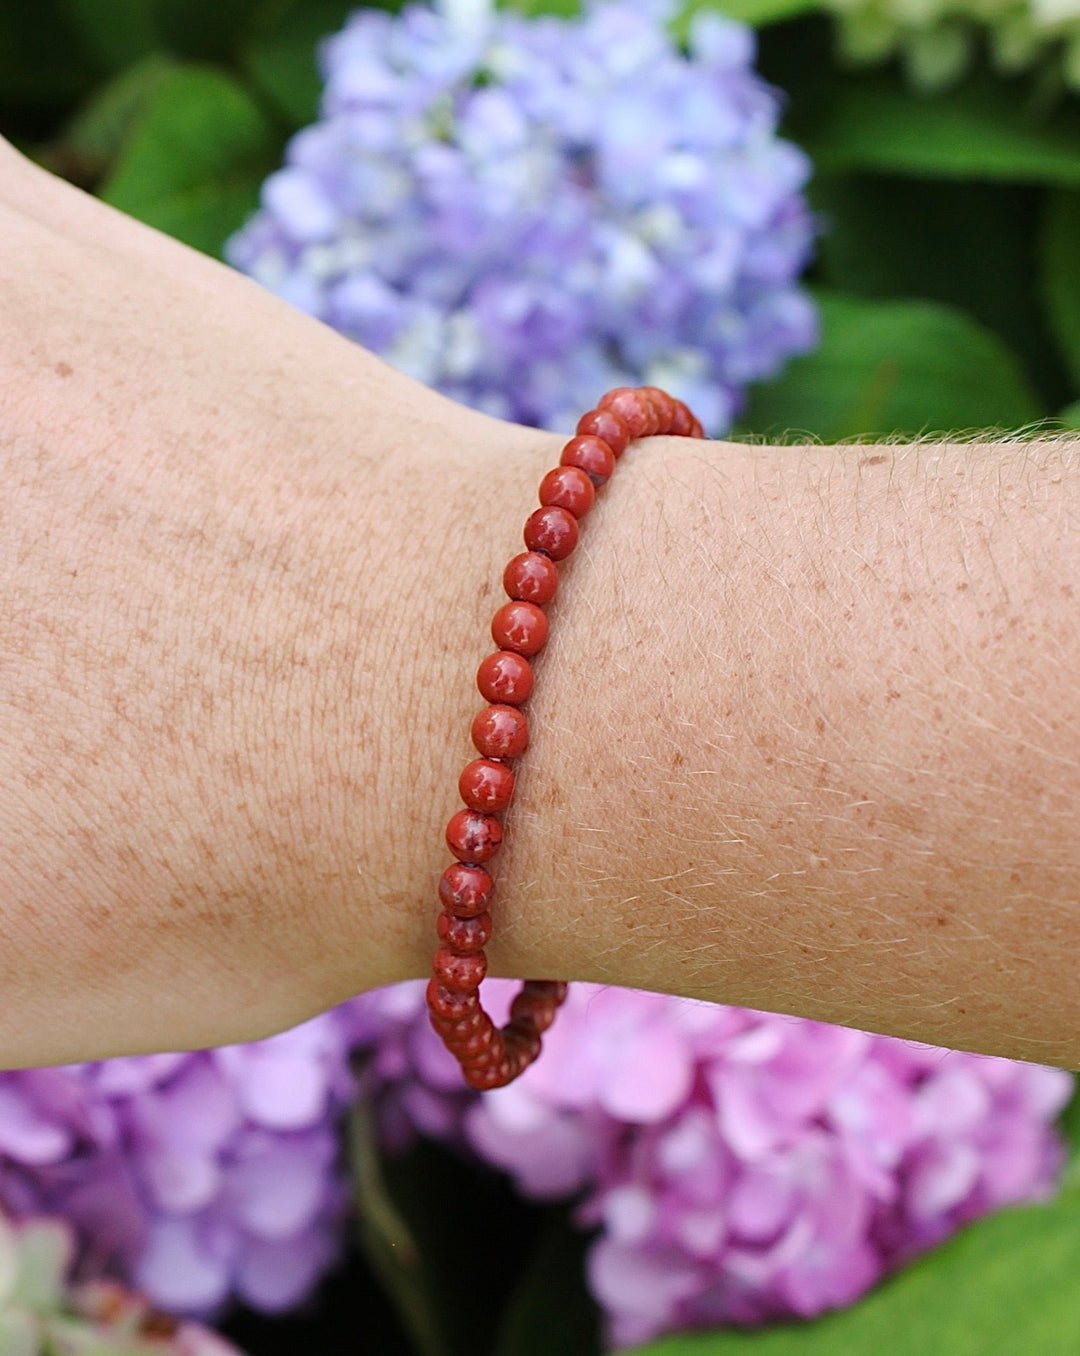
937,39
526,212
741,1166
42,1315
199,1177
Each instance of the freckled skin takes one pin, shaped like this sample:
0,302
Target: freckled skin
247,580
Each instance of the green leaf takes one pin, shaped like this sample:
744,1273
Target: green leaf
982,130
116,32
973,245
1070,1117
281,58
193,161
756,12
43,59
99,129
1061,274
205,30
894,367
1009,1284
534,1325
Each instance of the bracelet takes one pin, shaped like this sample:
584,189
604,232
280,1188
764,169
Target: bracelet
489,1057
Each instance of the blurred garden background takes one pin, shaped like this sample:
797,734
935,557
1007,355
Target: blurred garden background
811,219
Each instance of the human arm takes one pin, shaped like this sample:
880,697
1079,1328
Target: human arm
247,575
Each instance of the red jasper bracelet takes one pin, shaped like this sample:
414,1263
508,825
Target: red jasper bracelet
491,1058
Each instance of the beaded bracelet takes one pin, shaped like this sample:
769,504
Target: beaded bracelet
491,1058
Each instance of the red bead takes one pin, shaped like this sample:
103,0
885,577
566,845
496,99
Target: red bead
532,577
607,425
525,1036
459,974
464,935
500,732
593,455
553,530
477,1043
505,676
664,406
570,488
683,422
486,785
521,627
449,1003
633,408
696,430
473,837
465,890
474,1020
489,1076
540,1012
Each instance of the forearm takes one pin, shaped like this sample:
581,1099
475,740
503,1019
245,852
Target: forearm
807,739
804,736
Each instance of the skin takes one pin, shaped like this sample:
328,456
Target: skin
806,736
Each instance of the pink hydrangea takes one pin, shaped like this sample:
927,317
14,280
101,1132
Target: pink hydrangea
740,1166
198,1177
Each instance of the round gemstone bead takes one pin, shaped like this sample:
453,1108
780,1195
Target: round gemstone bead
551,529
633,408
683,421
472,836
464,935
526,1037
465,890
664,406
449,1003
489,1076
592,455
475,1044
568,487
459,974
608,426
531,577
500,732
505,676
521,627
486,785
460,1027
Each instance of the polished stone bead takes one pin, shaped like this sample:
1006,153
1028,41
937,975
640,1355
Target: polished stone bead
553,530
531,577
591,455
521,627
459,974
465,890
505,676
449,1003
633,408
500,732
472,836
486,785
608,426
464,935
568,487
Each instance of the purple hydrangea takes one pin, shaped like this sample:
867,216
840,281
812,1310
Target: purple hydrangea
740,1166
199,1177
525,212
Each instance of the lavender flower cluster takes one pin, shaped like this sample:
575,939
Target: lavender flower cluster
741,1167
199,1177
524,213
